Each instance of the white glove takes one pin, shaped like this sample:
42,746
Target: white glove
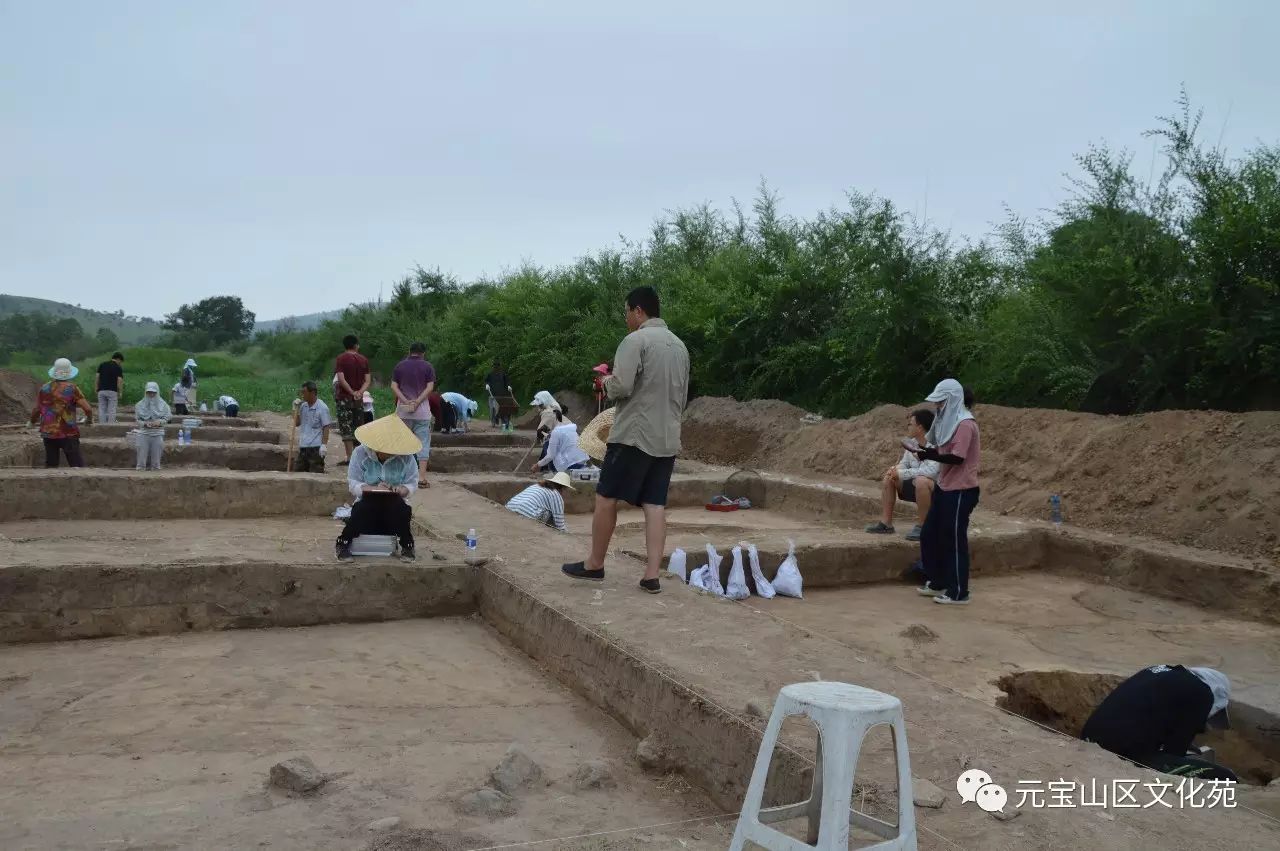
324,450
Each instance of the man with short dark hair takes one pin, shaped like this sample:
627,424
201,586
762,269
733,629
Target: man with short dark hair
650,382
109,384
353,377
311,416
910,480
412,381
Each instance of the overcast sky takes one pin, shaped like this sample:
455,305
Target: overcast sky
304,155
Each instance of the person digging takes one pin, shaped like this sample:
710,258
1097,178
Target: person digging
382,475
1153,717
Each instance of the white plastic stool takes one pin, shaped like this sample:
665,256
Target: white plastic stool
843,714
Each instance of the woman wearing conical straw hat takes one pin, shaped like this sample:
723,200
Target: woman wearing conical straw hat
382,475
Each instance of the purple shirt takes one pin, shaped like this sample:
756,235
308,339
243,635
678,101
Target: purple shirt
413,374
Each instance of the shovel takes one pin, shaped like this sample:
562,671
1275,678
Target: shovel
526,455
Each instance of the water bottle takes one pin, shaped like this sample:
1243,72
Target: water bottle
473,545
182,437
1055,510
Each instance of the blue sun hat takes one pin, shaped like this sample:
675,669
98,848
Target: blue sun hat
63,370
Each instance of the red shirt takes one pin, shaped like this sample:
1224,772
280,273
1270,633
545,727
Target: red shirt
434,399
967,444
354,367
56,409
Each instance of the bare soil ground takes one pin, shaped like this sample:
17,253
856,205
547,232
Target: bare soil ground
167,743
1201,478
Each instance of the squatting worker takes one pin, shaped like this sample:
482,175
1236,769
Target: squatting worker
311,416
1153,717
650,383
562,452
55,412
351,379
382,476
152,414
109,384
542,501
412,382
227,406
953,441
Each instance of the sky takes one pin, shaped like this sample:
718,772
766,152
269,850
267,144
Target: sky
305,155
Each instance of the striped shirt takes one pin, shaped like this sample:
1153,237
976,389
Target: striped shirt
540,503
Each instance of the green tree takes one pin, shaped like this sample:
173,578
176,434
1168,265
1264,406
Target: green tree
107,340
212,321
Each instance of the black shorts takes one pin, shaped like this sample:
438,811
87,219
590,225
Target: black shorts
634,476
907,490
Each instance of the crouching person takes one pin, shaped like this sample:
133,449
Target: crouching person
383,474
153,414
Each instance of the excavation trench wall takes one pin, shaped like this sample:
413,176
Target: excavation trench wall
213,434
717,750
93,601
117,454
90,494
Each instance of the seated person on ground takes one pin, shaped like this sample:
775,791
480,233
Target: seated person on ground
228,406
542,501
463,408
1153,717
562,450
383,474
910,480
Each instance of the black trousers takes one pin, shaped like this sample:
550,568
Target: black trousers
944,541
69,446
379,514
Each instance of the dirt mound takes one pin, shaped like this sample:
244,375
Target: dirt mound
1193,477
17,395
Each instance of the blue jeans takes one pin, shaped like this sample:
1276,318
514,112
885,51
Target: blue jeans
944,541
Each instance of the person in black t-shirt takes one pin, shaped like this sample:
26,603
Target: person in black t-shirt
1153,717
108,385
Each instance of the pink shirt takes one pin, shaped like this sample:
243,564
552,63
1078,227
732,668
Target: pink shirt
967,444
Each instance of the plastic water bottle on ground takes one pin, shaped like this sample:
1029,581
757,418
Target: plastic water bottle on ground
1055,510
182,437
473,546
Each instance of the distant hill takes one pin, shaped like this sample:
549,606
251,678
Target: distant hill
298,323
132,330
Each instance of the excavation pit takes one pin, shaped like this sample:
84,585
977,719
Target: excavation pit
1064,700
168,741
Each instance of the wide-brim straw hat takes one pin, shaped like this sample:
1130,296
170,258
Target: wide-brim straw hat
561,479
63,370
594,440
390,436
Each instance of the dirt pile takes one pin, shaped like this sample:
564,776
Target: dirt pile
1193,477
17,395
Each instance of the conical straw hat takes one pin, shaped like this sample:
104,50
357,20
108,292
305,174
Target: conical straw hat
389,435
595,439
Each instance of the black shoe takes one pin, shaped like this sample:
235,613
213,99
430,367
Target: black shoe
578,570
344,463
344,552
407,553
651,586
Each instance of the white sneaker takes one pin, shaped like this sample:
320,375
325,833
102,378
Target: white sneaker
944,600
925,591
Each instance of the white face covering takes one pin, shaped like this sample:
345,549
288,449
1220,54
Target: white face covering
951,395
1218,684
